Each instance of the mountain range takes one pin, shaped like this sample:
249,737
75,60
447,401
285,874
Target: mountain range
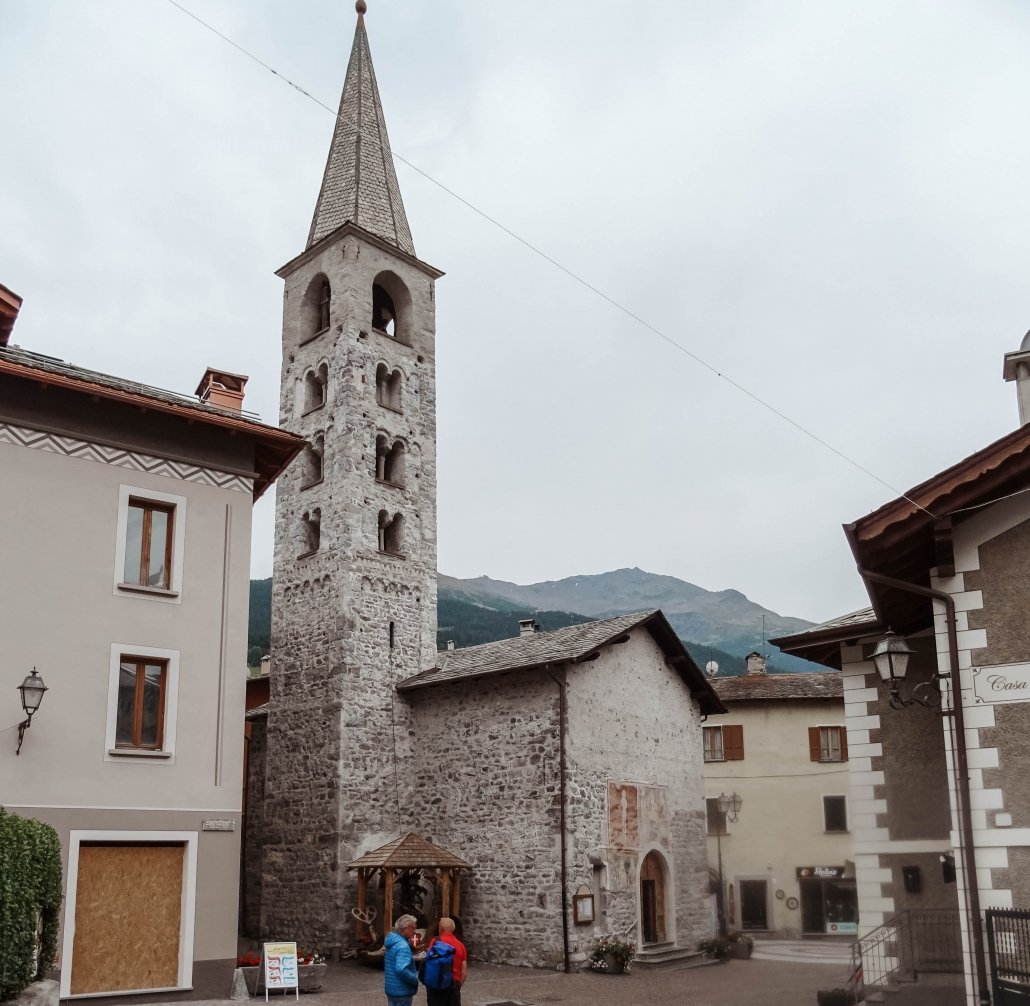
714,625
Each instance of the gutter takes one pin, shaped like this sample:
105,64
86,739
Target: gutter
961,768
563,719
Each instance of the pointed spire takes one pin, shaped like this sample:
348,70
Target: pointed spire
360,183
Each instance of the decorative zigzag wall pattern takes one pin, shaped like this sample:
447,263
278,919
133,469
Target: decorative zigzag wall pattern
19,436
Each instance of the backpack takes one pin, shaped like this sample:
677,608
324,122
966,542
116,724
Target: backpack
437,970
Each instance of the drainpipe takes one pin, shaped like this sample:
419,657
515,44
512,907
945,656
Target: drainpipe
961,770
563,715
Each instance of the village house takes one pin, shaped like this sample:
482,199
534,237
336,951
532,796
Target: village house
785,854
938,736
563,768
125,547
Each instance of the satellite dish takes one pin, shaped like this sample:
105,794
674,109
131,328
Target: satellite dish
711,668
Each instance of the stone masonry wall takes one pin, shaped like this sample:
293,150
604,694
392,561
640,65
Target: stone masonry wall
487,789
348,621
253,828
635,735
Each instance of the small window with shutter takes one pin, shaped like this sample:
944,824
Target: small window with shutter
724,743
828,744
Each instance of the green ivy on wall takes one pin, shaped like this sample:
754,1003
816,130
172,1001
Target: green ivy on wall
30,901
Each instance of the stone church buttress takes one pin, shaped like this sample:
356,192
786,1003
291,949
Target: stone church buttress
354,588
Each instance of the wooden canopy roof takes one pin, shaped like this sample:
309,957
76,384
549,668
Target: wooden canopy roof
411,852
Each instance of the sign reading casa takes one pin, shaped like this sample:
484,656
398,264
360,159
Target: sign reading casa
1001,683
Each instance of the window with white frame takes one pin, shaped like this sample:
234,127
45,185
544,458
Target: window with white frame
713,744
142,700
828,744
150,539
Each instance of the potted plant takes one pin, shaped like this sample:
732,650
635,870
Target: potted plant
715,949
836,997
611,955
740,945
311,967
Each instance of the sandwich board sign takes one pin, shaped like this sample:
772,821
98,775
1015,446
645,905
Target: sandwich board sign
280,967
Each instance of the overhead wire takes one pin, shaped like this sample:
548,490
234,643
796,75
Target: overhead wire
571,274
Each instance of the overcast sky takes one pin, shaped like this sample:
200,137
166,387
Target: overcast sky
826,201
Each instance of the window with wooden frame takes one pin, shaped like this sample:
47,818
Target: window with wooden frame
725,743
142,689
828,744
149,534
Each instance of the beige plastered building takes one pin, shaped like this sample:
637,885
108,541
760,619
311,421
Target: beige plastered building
125,550
782,747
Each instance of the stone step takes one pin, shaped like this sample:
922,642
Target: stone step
668,956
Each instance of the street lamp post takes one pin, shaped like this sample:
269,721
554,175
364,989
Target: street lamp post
729,808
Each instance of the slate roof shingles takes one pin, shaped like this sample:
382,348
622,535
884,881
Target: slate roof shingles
780,687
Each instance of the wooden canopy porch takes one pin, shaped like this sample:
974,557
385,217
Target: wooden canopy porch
405,856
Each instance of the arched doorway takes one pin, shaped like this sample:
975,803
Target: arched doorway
652,899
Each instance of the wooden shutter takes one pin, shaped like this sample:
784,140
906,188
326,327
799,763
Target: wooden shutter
733,742
814,744
843,743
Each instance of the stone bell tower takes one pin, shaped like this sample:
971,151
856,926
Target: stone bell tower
354,594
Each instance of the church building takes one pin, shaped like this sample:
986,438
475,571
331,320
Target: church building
564,768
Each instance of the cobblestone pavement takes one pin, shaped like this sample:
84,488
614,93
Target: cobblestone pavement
735,983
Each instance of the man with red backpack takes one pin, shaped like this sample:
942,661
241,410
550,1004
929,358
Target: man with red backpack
444,969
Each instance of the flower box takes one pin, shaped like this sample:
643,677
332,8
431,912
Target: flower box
310,976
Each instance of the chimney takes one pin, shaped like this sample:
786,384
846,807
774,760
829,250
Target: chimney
1017,368
450,644
218,387
527,626
10,305
756,663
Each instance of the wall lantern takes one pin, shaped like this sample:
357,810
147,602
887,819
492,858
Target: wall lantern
729,806
891,660
32,689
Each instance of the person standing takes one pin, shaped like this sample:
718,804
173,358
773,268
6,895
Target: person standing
451,996
400,973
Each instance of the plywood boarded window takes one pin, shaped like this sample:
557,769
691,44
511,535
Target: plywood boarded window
128,917
828,744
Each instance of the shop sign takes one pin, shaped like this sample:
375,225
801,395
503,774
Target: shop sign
821,872
842,928
1001,683
280,967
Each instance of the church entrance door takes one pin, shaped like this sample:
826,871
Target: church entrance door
652,899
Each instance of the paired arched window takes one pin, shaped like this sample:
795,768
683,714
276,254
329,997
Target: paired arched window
391,530
316,311
388,387
313,457
316,385
389,461
391,307
311,531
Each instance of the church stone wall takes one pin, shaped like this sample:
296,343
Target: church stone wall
486,787
635,760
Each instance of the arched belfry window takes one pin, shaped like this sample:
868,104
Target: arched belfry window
313,457
324,296
311,530
316,387
391,307
391,533
316,308
389,461
388,387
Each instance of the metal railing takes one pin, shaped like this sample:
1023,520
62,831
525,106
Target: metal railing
1008,945
912,943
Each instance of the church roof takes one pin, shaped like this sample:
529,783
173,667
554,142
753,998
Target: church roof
407,852
781,687
572,644
360,183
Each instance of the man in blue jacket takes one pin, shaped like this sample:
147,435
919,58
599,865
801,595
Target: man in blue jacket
400,971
